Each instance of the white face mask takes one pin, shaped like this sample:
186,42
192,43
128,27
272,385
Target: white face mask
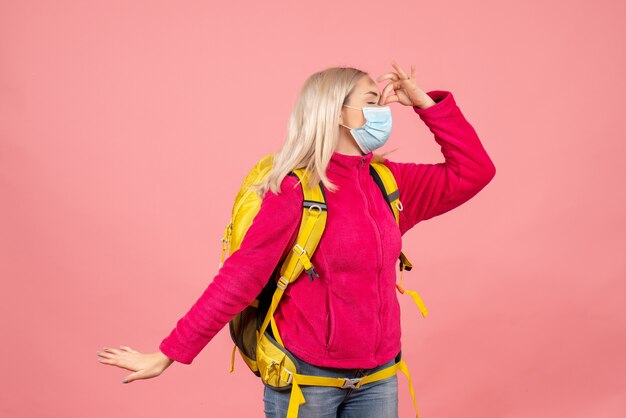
375,132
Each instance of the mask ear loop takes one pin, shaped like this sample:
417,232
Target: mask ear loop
346,126
357,108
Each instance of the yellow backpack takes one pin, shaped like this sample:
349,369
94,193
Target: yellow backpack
261,347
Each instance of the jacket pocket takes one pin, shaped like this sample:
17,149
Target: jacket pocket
328,329
330,326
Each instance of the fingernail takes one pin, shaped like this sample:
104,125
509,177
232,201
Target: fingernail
124,380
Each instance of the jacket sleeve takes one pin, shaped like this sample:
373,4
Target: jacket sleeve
428,190
242,276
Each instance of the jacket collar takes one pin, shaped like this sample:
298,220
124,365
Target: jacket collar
345,165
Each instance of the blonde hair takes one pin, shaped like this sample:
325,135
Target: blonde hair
313,129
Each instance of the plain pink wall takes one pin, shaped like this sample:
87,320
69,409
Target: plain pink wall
126,128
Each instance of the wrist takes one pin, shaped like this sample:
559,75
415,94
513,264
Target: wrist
165,358
428,102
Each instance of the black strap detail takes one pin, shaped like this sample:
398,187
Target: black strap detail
381,186
323,190
309,203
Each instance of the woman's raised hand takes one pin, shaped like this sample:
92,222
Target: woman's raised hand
403,89
144,366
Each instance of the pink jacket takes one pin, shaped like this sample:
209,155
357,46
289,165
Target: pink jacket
349,316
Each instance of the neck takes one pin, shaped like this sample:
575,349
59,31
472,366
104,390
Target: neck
349,166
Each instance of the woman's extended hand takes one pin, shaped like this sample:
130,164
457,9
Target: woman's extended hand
403,89
145,366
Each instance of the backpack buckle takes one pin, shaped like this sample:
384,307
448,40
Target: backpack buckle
351,383
304,258
298,247
311,272
282,282
289,376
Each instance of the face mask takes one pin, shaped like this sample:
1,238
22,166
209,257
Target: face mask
376,130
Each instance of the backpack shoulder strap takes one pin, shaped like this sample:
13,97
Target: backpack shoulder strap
314,212
312,224
385,180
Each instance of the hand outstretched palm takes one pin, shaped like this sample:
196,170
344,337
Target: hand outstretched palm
144,366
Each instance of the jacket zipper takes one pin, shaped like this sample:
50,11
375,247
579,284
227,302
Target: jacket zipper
380,253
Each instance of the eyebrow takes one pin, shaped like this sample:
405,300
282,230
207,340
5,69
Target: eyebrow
372,92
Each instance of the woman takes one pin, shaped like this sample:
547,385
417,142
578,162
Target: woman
346,322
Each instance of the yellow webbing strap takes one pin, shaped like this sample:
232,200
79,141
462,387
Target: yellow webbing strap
297,397
416,298
278,294
401,365
232,359
418,301
304,259
275,331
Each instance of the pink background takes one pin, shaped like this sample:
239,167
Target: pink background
126,128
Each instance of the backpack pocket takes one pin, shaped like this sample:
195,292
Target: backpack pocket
276,364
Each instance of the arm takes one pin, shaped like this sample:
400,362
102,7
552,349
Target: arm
429,190
242,276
